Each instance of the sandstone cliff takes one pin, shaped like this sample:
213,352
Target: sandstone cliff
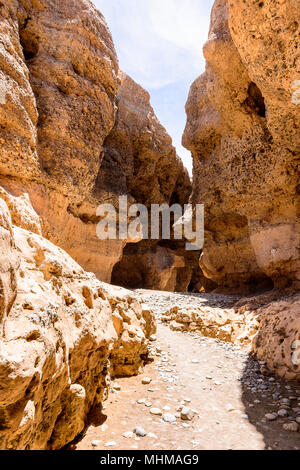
140,161
243,131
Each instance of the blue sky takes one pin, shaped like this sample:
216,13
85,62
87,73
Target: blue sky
159,44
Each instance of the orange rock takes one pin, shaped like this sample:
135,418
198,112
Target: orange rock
243,131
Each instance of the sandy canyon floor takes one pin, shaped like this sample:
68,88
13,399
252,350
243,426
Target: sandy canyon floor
232,405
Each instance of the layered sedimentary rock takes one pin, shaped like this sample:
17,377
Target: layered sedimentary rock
59,95
64,334
243,131
269,324
141,162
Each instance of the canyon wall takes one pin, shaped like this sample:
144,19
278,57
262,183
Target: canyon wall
75,131
243,131
63,333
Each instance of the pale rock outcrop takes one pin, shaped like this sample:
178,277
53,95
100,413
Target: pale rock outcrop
64,334
224,324
243,131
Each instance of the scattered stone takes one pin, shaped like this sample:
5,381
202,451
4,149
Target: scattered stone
271,416
146,380
153,338
128,435
110,444
142,401
169,418
187,400
282,413
151,435
285,401
116,387
139,431
187,414
229,407
95,443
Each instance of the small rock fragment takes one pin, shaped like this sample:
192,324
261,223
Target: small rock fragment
142,401
282,413
271,416
139,431
110,444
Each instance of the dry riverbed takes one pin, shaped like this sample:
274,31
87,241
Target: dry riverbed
197,393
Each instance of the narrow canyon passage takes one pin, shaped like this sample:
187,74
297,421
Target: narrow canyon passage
229,400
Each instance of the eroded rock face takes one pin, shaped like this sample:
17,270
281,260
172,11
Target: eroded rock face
243,131
63,335
268,324
56,110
